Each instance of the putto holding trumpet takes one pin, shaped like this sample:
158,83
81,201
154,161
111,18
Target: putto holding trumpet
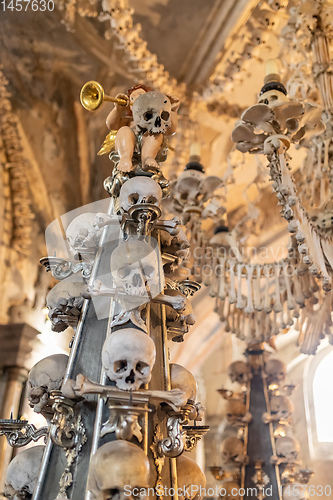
138,123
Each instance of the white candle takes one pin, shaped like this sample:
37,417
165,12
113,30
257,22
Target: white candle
272,67
195,149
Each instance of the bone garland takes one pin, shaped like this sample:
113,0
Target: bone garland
120,18
313,324
249,307
311,234
256,289
16,164
246,44
240,301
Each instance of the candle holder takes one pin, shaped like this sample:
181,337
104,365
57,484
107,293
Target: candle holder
20,433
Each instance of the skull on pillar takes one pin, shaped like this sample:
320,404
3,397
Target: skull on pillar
275,371
191,480
135,269
281,408
22,473
128,357
236,412
115,467
65,302
287,448
83,234
139,189
232,451
47,375
239,372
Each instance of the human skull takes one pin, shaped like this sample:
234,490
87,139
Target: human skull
22,473
135,271
288,448
239,372
176,319
128,357
187,188
190,478
229,490
178,246
83,233
47,375
323,219
181,378
235,410
281,407
295,491
152,113
139,189
275,370
65,302
232,450
115,466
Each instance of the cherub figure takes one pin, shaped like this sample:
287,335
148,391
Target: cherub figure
130,130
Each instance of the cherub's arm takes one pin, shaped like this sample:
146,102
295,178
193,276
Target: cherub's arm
175,103
116,119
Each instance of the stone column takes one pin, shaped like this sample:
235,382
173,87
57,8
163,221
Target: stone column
15,342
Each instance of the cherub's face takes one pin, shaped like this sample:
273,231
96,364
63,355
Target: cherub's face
134,95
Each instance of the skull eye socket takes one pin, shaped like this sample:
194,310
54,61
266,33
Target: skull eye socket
124,272
133,198
120,366
148,271
165,115
152,199
148,115
141,367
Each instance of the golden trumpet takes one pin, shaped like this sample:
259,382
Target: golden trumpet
92,96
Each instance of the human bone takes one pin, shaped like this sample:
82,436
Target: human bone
236,412
181,378
287,447
135,272
45,376
152,113
139,189
22,473
275,371
229,490
64,302
114,466
239,372
186,317
128,357
232,450
190,478
83,233
178,246
281,407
